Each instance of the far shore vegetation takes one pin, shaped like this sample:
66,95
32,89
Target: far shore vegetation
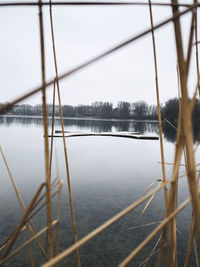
138,110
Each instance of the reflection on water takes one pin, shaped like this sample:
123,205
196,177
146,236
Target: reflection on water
101,125
95,125
169,132
107,174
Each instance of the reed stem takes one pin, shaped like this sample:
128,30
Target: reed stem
63,137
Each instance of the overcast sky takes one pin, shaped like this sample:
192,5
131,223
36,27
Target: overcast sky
80,34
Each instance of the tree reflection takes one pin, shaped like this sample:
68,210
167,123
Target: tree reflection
101,125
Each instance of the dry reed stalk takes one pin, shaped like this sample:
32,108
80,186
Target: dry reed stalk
53,185
101,228
46,145
52,128
171,124
192,104
43,205
189,50
21,202
27,242
179,93
190,243
158,105
97,58
32,261
191,240
172,255
160,127
171,205
172,201
58,213
21,224
58,224
172,244
196,46
172,226
187,125
63,137
196,253
152,234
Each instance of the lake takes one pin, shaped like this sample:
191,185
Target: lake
107,174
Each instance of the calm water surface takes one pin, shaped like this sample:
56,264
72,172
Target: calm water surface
107,174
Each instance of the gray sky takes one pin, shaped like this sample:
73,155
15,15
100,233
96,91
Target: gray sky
81,33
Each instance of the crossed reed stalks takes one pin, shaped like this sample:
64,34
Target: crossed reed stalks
167,228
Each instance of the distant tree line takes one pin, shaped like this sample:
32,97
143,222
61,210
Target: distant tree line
124,110
170,111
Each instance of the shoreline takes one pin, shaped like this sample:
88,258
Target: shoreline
76,118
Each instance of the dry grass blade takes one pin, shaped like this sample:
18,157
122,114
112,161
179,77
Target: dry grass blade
152,253
44,204
157,250
151,236
27,243
5,242
21,202
170,163
171,124
146,206
21,224
122,228
149,201
30,216
101,228
53,186
148,187
139,226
